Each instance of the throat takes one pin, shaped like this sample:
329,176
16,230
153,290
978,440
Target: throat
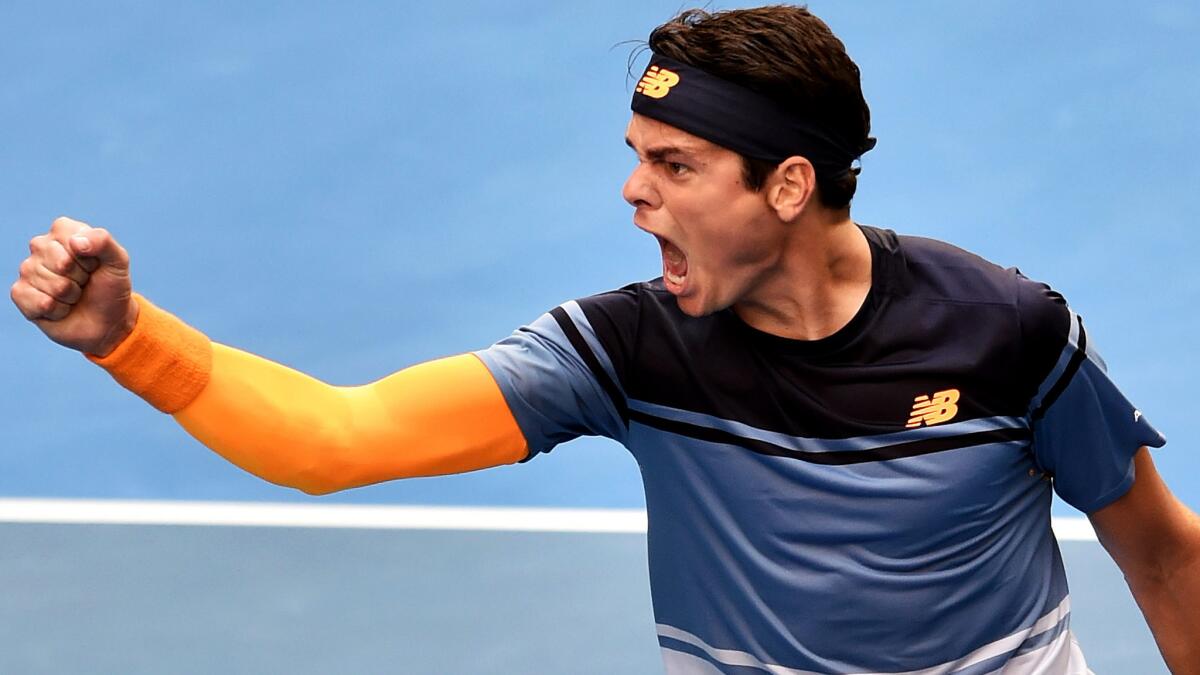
816,317
819,291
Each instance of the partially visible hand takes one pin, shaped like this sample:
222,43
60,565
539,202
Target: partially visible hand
75,287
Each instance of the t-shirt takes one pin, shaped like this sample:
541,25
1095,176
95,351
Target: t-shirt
874,501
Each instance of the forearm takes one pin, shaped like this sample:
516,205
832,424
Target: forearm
445,416
1169,597
1155,540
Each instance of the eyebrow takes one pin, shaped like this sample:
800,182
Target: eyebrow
660,152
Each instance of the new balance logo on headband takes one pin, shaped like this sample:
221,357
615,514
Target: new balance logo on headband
657,82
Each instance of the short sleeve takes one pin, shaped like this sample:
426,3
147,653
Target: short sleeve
1085,431
561,374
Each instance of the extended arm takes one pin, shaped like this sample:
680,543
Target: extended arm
440,417
445,416
1155,540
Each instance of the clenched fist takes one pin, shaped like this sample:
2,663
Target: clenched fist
75,287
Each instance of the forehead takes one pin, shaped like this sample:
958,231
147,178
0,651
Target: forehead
646,135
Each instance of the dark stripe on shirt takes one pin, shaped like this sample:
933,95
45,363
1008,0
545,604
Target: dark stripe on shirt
585,352
1068,373
838,458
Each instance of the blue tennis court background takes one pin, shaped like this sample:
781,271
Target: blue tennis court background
352,188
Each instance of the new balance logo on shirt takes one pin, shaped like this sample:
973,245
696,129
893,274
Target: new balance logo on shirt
928,411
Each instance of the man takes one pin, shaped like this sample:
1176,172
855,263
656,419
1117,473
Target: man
848,438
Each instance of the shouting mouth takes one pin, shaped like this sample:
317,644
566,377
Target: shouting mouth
675,266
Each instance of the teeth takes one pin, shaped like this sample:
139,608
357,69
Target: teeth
675,265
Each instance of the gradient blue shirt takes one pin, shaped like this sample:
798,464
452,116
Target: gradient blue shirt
877,501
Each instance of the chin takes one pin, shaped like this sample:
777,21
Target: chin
693,307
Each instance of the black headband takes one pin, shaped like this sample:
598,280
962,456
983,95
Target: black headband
737,118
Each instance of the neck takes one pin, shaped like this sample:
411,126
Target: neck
817,285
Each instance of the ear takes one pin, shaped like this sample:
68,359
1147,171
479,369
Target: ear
791,187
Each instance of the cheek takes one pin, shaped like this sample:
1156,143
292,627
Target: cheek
724,227
741,237
749,255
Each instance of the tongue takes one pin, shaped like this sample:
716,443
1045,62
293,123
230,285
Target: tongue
674,260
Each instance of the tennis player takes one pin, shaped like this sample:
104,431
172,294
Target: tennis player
849,438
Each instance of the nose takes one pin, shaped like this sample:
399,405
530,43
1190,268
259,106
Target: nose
639,188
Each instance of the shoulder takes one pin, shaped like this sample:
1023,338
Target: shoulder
622,310
611,324
619,302
950,273
626,299
1028,311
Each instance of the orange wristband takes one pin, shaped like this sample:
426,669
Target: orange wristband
164,360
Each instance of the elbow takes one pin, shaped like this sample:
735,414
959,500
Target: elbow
324,468
315,483
317,490
321,477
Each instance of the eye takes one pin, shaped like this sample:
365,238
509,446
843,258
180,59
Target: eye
677,168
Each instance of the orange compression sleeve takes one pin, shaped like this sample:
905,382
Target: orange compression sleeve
440,417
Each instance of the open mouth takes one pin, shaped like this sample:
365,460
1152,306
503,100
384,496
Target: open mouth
675,266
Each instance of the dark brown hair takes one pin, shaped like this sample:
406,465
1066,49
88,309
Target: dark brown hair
787,54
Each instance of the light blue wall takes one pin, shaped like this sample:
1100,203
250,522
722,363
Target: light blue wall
353,188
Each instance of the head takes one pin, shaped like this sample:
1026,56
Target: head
722,215
788,55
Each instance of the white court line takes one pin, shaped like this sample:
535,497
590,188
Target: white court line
267,514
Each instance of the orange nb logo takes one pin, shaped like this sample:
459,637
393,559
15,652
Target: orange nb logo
931,410
657,82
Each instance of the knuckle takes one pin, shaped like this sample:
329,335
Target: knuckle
61,263
64,223
27,267
15,294
20,298
60,287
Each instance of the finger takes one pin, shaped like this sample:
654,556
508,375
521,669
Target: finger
61,288
64,228
55,258
38,243
46,247
36,305
61,231
97,244
28,269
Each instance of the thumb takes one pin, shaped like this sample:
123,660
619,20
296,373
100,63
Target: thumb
97,246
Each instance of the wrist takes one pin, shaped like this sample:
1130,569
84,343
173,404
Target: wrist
163,360
120,332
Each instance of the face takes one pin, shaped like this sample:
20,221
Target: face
720,241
